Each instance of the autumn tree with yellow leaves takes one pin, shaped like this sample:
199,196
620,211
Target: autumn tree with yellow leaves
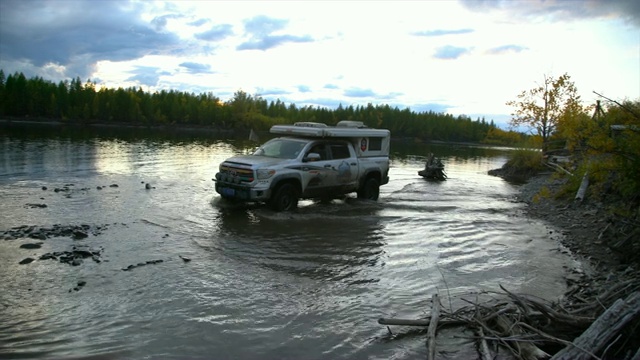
544,107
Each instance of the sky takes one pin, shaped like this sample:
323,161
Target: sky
465,57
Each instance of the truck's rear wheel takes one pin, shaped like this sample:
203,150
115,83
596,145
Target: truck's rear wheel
284,198
370,190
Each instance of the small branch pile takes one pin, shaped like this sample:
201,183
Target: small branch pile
582,326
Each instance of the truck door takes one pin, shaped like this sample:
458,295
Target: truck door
335,172
344,164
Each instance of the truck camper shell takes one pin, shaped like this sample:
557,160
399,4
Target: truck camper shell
366,141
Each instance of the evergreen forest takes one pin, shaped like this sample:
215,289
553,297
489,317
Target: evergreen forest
84,103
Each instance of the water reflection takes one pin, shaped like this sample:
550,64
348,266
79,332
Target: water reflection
321,241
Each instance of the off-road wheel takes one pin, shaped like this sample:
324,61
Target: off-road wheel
370,190
284,198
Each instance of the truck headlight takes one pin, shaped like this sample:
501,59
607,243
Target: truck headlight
265,173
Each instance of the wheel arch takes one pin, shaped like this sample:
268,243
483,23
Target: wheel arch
296,181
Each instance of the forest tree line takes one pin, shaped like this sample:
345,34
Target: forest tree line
77,102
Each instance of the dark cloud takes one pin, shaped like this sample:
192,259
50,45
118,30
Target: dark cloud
562,10
77,34
216,33
260,29
507,49
430,33
196,68
450,52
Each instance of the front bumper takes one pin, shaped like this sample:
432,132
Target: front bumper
241,192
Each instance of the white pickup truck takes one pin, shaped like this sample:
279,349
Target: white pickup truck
309,161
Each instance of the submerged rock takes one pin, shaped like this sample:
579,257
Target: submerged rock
31,246
26,261
149,262
33,206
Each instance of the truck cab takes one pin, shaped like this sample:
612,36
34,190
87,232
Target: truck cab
309,161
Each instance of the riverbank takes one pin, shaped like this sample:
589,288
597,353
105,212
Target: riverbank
587,228
599,314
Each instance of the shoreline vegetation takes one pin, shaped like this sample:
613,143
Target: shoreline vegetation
85,103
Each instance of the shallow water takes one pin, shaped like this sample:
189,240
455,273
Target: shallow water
309,284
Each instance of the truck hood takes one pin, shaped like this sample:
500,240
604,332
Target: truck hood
254,161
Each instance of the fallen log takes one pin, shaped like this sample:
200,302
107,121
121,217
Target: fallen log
419,322
433,325
604,329
483,347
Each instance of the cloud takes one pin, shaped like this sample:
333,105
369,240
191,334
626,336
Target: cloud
269,42
146,75
507,49
271,92
216,33
160,22
260,29
262,25
433,107
450,52
198,22
196,68
78,34
562,10
359,93
304,88
430,33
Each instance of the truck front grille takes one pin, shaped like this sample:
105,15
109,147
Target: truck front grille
234,174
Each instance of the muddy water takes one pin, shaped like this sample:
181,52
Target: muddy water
309,284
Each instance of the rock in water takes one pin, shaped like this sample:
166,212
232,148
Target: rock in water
26,261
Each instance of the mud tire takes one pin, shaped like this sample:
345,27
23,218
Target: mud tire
285,198
370,190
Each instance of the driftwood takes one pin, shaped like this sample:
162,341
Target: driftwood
586,325
583,188
433,169
433,325
483,347
603,330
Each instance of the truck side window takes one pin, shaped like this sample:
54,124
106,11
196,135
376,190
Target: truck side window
375,143
319,149
340,151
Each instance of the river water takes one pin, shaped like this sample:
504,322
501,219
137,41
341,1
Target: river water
259,285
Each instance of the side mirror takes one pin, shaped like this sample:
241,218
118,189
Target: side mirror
312,157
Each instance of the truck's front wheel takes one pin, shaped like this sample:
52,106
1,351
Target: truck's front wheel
284,198
370,190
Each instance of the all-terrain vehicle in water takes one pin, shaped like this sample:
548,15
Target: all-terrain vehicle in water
309,160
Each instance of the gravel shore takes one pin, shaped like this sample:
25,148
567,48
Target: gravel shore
585,228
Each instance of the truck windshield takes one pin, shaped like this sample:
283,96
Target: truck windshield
280,148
